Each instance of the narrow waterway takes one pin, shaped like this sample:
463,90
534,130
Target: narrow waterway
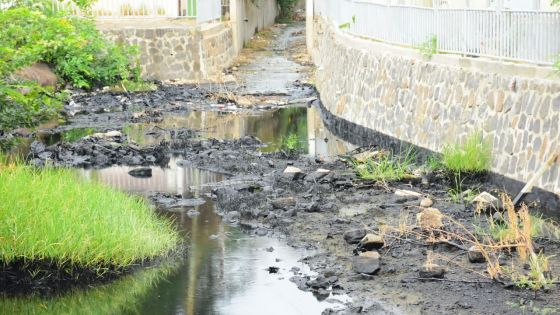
227,270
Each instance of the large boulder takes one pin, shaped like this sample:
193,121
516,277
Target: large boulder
40,72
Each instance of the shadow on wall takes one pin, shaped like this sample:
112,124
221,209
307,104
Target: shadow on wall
251,16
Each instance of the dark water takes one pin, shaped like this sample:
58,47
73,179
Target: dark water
226,270
272,127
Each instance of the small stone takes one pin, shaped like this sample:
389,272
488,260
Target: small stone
426,203
430,218
354,236
371,241
317,175
293,173
475,255
364,156
143,172
283,202
407,193
485,201
367,264
261,231
192,213
432,271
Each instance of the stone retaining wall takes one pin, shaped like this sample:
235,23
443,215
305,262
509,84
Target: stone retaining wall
397,92
179,52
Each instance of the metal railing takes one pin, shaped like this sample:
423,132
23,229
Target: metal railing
527,36
201,10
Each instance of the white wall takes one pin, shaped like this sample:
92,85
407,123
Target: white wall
248,18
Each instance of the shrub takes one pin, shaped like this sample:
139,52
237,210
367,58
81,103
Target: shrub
474,156
76,50
52,215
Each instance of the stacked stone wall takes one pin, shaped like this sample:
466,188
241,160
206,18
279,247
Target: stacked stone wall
431,103
179,52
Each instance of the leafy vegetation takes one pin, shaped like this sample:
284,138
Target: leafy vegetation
290,144
72,46
386,166
429,47
50,214
474,156
286,10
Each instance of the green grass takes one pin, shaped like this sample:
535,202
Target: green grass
387,167
51,214
76,134
124,296
474,156
429,47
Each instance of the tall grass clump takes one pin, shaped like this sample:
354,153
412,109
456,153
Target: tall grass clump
52,215
473,156
386,166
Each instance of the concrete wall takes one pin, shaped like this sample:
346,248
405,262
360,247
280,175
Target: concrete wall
397,92
179,52
250,16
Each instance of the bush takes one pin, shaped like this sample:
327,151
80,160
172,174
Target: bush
386,167
77,51
51,215
474,156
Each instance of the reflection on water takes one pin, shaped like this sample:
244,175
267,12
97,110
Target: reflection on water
272,127
122,296
171,179
225,271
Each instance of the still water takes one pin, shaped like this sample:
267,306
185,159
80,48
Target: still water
226,269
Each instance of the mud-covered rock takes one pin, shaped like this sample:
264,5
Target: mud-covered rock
370,242
432,271
142,172
430,218
366,263
283,202
475,255
354,236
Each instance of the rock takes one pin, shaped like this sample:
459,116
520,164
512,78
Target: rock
371,241
39,72
354,236
485,201
143,172
475,255
108,134
426,203
294,173
37,147
430,218
283,202
273,269
232,216
366,263
407,193
192,213
194,202
317,175
364,156
431,271
261,231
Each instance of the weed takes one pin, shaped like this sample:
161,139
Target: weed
290,144
474,156
51,214
458,194
386,167
433,163
73,135
429,47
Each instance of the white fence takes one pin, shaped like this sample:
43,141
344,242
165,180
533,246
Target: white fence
201,10
528,36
